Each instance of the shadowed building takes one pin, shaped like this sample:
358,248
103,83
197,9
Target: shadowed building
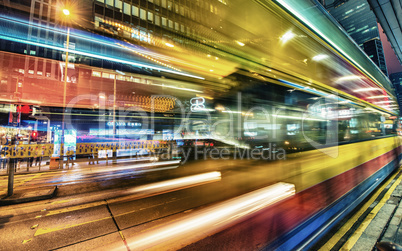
359,21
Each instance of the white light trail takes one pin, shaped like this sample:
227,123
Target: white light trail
298,118
320,57
379,96
210,220
287,36
367,89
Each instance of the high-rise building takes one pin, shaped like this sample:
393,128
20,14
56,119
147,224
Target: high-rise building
396,80
359,21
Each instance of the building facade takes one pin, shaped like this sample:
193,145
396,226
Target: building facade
396,79
360,22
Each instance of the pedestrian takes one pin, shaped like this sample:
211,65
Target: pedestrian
96,155
3,156
3,140
39,155
70,156
30,161
91,156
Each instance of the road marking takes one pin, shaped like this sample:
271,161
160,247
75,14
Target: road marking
26,241
122,235
75,208
61,201
45,230
355,237
28,179
349,224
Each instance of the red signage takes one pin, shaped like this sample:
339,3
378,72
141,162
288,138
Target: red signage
24,109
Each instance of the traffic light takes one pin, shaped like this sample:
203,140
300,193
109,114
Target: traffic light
34,136
14,118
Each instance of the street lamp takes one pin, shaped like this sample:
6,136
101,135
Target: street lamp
66,13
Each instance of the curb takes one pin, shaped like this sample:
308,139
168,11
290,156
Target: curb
48,193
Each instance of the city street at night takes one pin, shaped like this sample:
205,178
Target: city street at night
113,217
200,125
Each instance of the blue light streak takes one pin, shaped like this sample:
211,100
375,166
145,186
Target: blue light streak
311,90
20,34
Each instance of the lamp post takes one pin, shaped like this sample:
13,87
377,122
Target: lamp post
66,13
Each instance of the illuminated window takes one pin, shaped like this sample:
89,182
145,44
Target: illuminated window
170,24
105,75
164,3
176,26
118,4
134,11
157,20
157,2
127,9
39,73
151,17
109,2
176,8
169,5
102,1
182,28
143,14
163,21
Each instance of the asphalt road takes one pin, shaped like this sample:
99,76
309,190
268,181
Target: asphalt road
111,218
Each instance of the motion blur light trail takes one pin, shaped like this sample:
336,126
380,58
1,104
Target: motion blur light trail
171,185
148,190
129,167
210,220
298,9
190,180
14,30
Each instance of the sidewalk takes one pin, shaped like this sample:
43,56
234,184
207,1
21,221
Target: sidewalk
377,220
79,163
44,188
23,169
28,195
386,224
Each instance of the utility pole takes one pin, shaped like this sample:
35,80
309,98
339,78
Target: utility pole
11,167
